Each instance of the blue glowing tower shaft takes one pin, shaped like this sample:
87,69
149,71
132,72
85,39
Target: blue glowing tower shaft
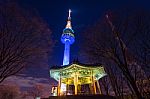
67,38
66,54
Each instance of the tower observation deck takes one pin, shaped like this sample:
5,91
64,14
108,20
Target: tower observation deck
67,38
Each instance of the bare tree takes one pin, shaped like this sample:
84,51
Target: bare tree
105,85
24,39
9,92
143,53
36,91
114,41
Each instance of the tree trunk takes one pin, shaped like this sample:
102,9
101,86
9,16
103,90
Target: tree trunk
133,84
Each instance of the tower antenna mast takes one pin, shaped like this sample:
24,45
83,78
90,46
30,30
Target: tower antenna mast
69,12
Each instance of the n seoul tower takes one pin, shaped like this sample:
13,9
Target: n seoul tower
67,38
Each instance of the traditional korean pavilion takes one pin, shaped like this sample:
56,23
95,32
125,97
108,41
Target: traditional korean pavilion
75,78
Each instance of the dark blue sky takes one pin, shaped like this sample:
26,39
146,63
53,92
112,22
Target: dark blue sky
84,13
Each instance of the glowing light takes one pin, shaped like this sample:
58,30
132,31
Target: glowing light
69,20
63,87
83,72
66,54
70,12
54,91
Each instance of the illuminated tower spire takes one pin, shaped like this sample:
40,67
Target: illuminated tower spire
69,20
67,38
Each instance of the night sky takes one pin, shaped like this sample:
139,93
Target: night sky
84,14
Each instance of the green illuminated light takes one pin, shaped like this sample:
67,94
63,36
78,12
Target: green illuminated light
84,73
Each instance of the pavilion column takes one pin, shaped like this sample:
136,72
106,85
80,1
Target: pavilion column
76,83
93,83
94,86
67,87
59,85
99,88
